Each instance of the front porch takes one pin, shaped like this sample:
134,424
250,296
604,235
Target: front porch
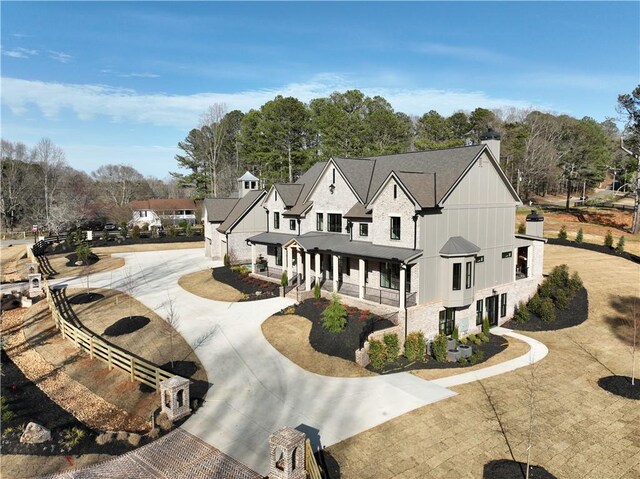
339,269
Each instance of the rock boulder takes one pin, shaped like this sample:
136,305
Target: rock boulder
35,434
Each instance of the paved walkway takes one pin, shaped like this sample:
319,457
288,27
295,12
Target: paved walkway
255,390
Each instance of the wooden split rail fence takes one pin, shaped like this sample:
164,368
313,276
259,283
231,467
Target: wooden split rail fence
138,369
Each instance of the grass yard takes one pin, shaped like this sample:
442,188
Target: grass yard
201,283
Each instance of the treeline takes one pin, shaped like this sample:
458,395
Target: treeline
39,187
541,152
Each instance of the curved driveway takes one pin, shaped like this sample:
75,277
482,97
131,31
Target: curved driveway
255,390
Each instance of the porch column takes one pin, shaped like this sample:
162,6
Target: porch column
334,258
318,268
403,286
253,258
361,276
307,271
290,263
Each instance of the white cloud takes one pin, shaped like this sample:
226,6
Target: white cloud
466,53
138,75
60,56
20,53
183,111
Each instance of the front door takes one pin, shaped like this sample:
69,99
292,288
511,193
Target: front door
491,304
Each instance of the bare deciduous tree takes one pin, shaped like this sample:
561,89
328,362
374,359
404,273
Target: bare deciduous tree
213,130
173,321
51,161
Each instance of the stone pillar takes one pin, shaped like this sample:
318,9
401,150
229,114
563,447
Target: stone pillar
362,273
335,258
35,284
403,286
174,397
318,268
286,454
307,271
253,258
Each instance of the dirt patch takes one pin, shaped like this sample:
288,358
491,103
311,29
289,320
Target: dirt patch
202,283
289,334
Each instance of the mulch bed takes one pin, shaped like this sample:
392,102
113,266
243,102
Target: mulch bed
362,323
597,248
495,345
343,345
505,469
72,259
621,386
576,313
84,298
254,288
126,325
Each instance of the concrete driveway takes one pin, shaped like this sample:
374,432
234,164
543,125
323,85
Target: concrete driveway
255,390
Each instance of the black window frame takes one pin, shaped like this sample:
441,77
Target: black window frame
334,221
278,255
388,278
507,254
457,277
366,229
319,221
394,228
468,275
446,321
395,191
276,220
292,225
479,312
503,305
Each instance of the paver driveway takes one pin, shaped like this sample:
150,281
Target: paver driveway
255,390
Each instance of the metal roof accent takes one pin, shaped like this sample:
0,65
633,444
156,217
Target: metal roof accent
459,246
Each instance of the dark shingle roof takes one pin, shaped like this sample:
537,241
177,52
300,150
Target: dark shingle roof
289,192
219,208
358,212
358,172
241,207
341,244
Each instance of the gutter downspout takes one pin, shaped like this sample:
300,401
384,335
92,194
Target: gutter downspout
435,199
415,231
298,220
267,211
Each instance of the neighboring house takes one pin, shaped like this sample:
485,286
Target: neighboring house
228,222
429,232
157,212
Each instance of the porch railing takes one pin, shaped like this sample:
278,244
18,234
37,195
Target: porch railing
376,295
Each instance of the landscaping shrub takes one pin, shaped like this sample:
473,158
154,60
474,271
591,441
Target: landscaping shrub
547,310
105,235
562,299
122,435
284,279
145,227
188,230
124,230
456,333
134,438
104,438
620,245
316,291
135,232
483,338
391,345
439,348
579,236
535,304
471,338
173,231
522,228
183,223
82,252
72,437
225,260
154,433
414,346
163,421
154,232
562,234
485,326
6,413
521,314
476,357
575,283
608,239
377,353
334,316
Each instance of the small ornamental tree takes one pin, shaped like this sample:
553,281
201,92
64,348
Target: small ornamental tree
521,314
135,232
82,252
486,327
316,291
608,239
284,279
334,316
620,245
579,236
392,347
456,334
562,234
377,353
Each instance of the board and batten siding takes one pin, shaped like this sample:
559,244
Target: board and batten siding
482,210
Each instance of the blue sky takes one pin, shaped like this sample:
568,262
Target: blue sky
123,82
